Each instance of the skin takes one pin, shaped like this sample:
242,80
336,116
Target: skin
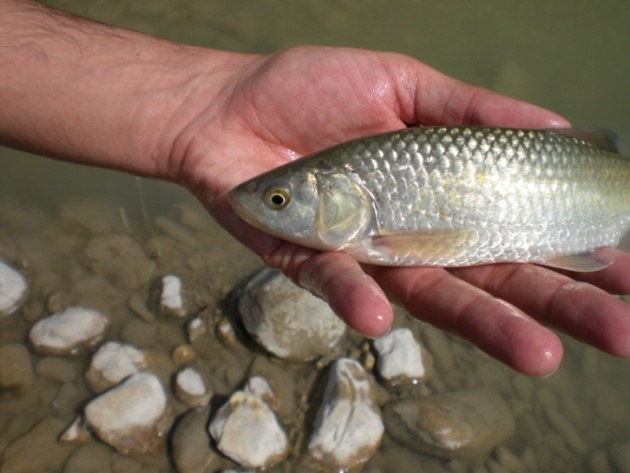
209,120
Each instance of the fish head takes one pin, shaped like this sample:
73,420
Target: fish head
318,209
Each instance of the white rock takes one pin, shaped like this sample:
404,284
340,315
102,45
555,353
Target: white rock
195,329
12,289
112,363
191,388
286,320
170,296
348,425
246,430
75,433
67,332
399,356
259,386
131,417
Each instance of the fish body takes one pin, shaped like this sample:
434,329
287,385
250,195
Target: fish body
451,196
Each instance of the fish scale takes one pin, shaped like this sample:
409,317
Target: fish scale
452,196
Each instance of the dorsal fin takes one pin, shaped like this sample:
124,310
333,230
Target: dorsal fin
600,137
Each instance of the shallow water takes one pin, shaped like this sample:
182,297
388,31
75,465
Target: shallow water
568,56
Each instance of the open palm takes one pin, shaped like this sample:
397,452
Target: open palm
279,107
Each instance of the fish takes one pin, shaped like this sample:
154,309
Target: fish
451,196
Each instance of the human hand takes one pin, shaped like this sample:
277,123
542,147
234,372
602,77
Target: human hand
301,100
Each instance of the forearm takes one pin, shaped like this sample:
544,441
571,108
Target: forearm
100,95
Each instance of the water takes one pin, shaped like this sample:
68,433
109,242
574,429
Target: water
567,56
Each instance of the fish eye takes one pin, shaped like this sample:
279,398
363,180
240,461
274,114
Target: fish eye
277,198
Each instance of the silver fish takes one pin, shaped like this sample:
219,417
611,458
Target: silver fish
451,196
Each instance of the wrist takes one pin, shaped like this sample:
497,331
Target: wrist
101,95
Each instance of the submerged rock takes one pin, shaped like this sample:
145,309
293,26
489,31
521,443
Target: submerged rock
348,426
190,443
37,450
119,259
399,357
12,289
69,331
112,363
131,417
620,456
247,431
462,424
286,320
16,372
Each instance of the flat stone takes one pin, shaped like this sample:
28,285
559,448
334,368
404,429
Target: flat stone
247,431
348,426
23,455
190,387
67,332
190,443
112,363
12,289
133,416
619,455
286,320
455,425
399,357
119,259
62,370
16,372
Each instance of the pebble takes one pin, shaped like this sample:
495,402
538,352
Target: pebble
57,369
348,426
619,455
12,289
247,431
119,259
190,387
67,332
133,416
567,431
75,433
183,354
23,455
16,372
138,304
195,329
190,443
456,425
259,386
399,357
599,462
169,296
112,363
286,320
88,458
509,461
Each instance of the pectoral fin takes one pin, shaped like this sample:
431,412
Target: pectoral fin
439,247
582,262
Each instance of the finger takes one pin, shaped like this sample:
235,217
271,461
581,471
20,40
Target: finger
339,280
429,97
499,329
580,309
615,278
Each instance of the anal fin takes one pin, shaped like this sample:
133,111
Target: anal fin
586,262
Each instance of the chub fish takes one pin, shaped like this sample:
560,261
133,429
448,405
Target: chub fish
451,196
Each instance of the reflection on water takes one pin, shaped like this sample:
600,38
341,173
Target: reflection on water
565,59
